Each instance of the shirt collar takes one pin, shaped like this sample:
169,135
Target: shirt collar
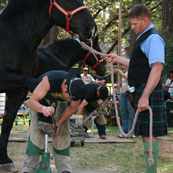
151,26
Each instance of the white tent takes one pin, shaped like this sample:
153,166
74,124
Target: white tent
2,103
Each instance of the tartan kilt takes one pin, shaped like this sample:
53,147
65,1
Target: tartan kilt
156,103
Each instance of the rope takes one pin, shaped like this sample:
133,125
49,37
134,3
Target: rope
90,49
150,159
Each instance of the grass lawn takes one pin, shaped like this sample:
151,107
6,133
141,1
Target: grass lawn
122,157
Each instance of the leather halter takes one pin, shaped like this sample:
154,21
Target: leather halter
97,60
68,14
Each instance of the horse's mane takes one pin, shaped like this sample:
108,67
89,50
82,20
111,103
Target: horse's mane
60,48
64,43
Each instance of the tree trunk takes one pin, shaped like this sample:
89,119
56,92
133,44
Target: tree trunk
167,32
167,19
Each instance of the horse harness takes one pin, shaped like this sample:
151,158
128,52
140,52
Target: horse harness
97,60
68,14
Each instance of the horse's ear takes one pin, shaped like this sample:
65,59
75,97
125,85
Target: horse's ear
96,38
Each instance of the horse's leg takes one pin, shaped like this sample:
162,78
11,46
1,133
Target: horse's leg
14,99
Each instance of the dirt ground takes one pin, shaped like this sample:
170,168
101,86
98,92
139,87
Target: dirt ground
108,157
166,148
115,157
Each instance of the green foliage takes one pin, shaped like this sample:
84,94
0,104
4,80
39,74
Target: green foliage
169,56
106,14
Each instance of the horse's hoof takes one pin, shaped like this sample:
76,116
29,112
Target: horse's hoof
8,168
47,128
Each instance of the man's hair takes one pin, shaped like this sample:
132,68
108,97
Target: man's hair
75,85
140,10
103,92
171,72
76,89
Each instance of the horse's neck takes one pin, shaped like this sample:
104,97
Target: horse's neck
28,24
76,56
56,56
68,55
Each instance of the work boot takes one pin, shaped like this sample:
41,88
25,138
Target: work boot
121,135
102,136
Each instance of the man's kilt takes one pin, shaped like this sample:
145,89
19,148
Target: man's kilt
156,102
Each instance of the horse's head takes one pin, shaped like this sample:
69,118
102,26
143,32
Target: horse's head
73,16
95,61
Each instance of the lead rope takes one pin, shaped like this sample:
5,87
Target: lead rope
150,159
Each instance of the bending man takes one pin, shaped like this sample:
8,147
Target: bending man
52,87
94,93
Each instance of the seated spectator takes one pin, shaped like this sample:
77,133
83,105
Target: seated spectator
126,109
101,80
87,78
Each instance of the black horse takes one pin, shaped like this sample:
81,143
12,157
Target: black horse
63,54
23,25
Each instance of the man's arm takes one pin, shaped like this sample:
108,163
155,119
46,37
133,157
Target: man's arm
100,82
121,73
67,114
92,80
152,82
81,107
38,94
116,59
103,104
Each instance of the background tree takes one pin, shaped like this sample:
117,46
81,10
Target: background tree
167,30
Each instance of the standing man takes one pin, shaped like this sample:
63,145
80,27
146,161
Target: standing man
94,93
169,82
145,68
126,109
52,87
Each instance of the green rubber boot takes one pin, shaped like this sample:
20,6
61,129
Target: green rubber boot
156,150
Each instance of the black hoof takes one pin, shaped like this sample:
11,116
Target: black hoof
47,128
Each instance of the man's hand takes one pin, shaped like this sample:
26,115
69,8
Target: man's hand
58,125
152,82
111,58
101,106
143,104
116,59
48,111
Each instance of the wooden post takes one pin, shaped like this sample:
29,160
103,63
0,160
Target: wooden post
119,46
